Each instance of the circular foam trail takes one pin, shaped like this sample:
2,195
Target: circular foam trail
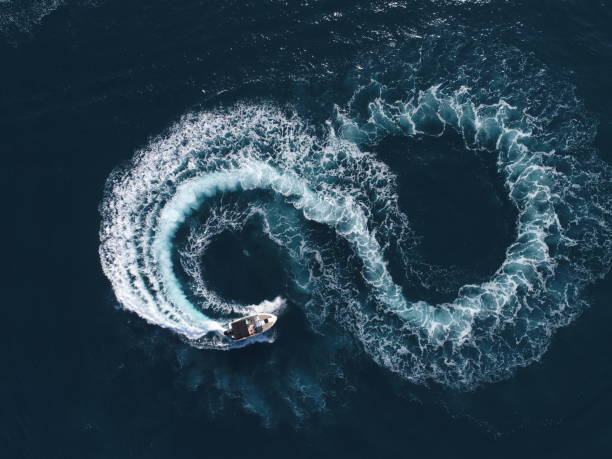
487,331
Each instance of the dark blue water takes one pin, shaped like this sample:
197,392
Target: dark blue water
425,184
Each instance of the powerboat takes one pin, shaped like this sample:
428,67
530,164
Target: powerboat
249,326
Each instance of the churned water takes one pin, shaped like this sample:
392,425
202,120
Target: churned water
421,191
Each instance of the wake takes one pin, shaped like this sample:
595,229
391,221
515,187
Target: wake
486,332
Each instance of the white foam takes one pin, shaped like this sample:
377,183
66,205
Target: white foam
332,182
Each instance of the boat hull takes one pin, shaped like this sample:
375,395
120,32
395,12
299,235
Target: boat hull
249,326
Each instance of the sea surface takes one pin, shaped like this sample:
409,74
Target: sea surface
420,190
